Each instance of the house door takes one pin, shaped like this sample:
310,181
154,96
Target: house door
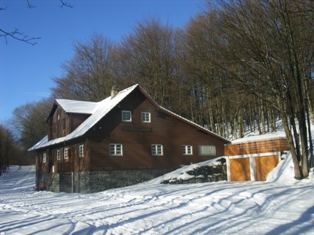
264,165
240,169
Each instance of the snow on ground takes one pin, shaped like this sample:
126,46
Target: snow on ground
281,205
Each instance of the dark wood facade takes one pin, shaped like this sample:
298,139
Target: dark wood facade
136,137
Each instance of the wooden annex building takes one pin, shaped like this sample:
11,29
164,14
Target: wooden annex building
122,140
253,160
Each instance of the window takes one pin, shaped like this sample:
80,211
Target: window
207,150
81,150
146,117
187,149
126,116
44,157
66,153
157,150
58,154
116,149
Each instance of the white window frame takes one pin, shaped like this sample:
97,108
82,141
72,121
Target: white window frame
81,150
115,149
145,116
44,157
187,149
126,116
207,150
66,153
58,154
157,150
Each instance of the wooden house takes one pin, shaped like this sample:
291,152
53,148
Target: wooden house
253,160
122,140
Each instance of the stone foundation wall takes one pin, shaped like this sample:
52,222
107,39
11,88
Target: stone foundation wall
203,174
96,181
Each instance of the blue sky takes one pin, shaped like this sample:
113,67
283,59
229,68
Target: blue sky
26,70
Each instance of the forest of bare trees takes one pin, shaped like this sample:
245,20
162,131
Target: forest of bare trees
238,66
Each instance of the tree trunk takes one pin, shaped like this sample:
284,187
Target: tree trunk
297,172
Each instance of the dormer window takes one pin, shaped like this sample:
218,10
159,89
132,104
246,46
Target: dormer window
126,116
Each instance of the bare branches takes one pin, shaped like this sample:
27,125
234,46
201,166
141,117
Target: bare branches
65,4
29,5
20,36
17,35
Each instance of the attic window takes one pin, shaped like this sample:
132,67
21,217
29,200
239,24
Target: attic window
66,153
126,116
58,154
146,117
81,150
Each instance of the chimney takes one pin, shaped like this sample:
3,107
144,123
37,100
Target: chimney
114,91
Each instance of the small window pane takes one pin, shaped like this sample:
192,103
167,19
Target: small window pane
126,116
157,150
81,150
187,150
44,157
116,150
146,117
66,153
58,154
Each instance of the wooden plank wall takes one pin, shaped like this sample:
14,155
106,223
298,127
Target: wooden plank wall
262,146
240,169
264,165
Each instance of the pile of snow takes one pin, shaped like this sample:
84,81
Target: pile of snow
183,172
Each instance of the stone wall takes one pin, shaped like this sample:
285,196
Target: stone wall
96,181
202,174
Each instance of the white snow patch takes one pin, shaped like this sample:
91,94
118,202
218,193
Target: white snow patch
282,205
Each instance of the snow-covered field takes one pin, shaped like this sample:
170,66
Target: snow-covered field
280,206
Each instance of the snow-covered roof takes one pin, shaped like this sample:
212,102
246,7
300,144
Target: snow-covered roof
98,110
75,106
257,137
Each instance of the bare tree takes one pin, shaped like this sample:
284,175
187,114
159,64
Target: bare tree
89,74
29,122
271,41
17,34
146,56
7,148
